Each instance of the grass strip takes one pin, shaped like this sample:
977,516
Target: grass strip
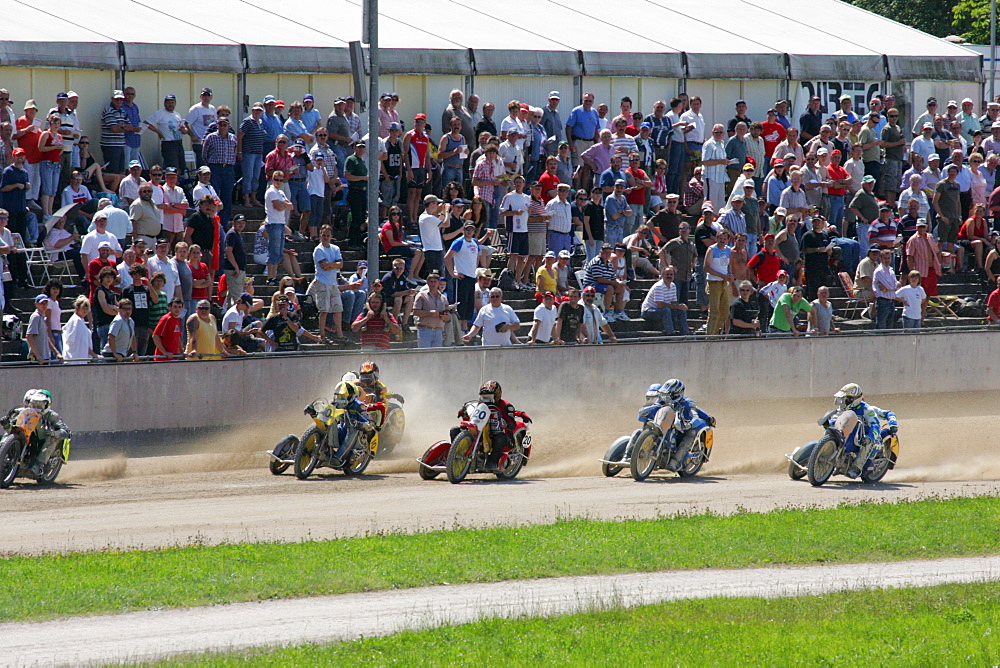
933,626
118,581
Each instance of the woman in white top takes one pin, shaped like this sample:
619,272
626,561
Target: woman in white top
77,338
276,207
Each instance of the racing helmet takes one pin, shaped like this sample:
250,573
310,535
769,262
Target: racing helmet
849,395
40,399
672,390
343,395
652,393
490,392
349,377
368,373
27,396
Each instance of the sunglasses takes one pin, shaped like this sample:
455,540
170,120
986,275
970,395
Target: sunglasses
85,143
893,115
203,308
278,180
281,142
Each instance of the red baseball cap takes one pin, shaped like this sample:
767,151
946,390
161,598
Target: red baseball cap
18,151
525,106
420,117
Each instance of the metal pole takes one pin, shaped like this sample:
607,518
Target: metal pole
373,152
993,47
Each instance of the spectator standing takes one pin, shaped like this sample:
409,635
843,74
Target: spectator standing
219,153
40,343
133,138
787,307
817,248
338,127
923,255
495,320
203,340
616,213
78,345
884,283
569,320
555,130
277,208
324,288
416,162
455,109
114,125
680,253
821,314
356,172
376,324
560,223
486,124
168,125
865,208
914,301
198,118
594,323
121,343
894,145
167,332
69,129
714,160
138,294
50,148
14,189
947,205
582,128
462,261
250,152
743,313
452,151
543,321
235,264
719,283
430,309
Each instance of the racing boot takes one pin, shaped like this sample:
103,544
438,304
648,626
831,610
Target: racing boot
493,460
677,459
854,470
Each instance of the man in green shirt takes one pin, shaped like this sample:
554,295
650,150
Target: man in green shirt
871,146
789,305
356,172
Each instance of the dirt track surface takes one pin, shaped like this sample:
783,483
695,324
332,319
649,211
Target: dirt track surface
142,636
252,505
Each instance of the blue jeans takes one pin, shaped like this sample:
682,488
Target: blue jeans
451,173
429,338
885,309
275,243
49,173
675,167
673,321
341,154
223,180
850,253
498,193
699,277
862,229
251,166
911,323
593,249
354,303
614,232
559,241
751,245
115,157
837,210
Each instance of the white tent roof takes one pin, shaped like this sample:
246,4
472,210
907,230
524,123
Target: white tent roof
696,39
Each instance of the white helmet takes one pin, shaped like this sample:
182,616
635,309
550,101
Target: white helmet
349,377
672,390
39,400
849,395
27,396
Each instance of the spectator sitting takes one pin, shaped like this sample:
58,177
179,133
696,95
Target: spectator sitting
399,291
203,333
121,341
600,275
766,263
662,307
60,242
547,277
117,220
641,251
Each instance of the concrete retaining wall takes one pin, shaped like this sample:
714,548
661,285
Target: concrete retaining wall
254,390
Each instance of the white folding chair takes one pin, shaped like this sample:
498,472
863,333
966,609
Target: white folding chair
35,257
62,268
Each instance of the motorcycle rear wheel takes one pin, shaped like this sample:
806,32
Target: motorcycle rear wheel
644,458
878,471
10,455
822,461
695,457
460,457
794,472
392,431
358,460
307,454
515,460
51,471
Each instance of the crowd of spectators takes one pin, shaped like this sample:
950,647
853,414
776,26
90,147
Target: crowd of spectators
748,223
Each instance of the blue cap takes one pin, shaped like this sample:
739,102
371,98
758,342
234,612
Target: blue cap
646,125
134,163
62,96
169,97
270,98
307,96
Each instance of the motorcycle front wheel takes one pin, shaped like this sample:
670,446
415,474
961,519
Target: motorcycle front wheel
10,455
822,461
460,457
285,449
307,454
644,455
426,472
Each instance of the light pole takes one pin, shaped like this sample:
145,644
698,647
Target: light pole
371,30
993,47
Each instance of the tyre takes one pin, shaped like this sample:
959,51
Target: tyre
644,455
307,453
794,472
51,471
880,466
285,449
427,473
515,460
615,453
695,457
460,457
10,454
358,458
822,461
392,432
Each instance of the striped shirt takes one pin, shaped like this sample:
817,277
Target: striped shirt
110,118
537,208
485,171
329,159
597,269
219,150
254,136
659,293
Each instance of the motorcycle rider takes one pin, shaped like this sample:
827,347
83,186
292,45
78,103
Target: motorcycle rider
671,394
503,421
50,432
851,399
346,397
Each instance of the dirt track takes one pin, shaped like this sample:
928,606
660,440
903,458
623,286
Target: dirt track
948,446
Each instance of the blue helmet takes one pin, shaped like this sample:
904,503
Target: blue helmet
673,389
652,393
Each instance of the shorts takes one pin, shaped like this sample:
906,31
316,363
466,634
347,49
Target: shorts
326,297
518,244
419,178
389,190
600,287
402,251
947,232
299,195
537,242
892,174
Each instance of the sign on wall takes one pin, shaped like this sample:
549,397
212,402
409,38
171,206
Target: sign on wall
829,93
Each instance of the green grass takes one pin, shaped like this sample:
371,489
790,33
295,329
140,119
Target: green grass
117,581
950,625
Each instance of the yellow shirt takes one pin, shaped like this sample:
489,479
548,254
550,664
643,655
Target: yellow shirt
203,342
547,282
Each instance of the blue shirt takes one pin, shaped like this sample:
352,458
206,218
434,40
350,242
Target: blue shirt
324,254
584,123
272,126
311,119
132,139
15,200
613,205
608,178
294,128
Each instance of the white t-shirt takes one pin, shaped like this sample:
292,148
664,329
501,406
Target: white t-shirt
119,223
774,290
546,318
912,298
315,183
202,189
169,269
273,216
124,278
90,241
232,320
168,123
55,315
77,341
199,118
489,317
514,154
129,187
674,118
466,258
698,121
593,320
514,201
430,233
508,124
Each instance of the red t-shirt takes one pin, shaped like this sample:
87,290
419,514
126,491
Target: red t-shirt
773,134
549,182
637,196
375,333
766,266
94,268
29,142
169,331
199,273
970,225
50,156
835,174
993,302
418,149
